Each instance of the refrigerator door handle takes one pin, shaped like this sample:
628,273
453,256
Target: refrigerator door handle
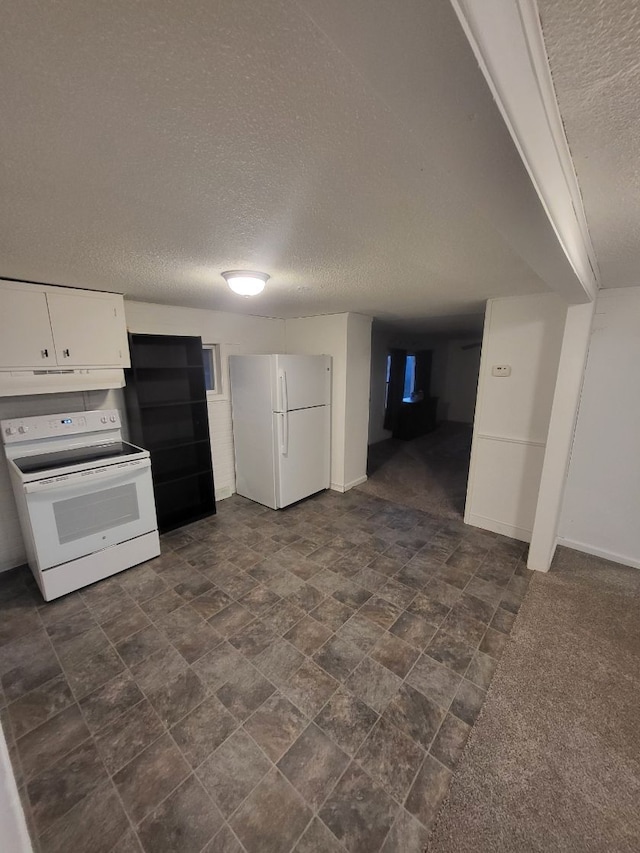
284,397
284,444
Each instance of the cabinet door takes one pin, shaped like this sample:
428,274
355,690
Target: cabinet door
25,330
88,330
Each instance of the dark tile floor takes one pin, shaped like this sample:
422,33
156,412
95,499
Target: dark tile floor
302,680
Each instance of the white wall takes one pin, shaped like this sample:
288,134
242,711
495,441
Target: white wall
236,333
347,339
562,423
602,493
512,413
357,408
458,398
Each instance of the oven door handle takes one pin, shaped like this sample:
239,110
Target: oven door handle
109,472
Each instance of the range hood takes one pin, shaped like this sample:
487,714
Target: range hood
16,383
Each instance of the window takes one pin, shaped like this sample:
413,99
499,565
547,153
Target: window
212,374
409,379
409,387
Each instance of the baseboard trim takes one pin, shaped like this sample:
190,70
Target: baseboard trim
357,482
600,552
344,487
509,439
22,565
224,493
500,527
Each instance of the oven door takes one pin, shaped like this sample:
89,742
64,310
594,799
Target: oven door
78,514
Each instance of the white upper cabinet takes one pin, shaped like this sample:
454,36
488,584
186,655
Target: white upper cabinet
44,327
25,331
88,330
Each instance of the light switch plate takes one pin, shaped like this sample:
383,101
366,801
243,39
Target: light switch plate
501,370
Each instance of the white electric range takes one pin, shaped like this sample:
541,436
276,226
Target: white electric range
84,496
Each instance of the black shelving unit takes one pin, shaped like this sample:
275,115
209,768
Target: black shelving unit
167,410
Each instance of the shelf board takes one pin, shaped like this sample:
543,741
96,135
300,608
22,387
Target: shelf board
162,481
180,444
176,520
159,369
171,445
172,403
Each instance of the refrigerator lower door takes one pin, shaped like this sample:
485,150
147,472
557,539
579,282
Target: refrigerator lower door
302,453
301,381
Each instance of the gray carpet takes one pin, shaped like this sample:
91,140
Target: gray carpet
553,763
429,473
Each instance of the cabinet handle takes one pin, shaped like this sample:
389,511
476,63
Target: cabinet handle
44,353
65,353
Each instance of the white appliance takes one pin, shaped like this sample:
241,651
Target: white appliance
84,496
281,426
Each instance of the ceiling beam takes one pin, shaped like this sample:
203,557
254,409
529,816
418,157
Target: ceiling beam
507,39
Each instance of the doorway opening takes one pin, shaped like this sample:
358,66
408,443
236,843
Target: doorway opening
423,392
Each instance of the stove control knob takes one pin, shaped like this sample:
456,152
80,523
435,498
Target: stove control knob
103,419
10,430
113,419
23,429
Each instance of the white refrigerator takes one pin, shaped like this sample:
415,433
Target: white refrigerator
281,408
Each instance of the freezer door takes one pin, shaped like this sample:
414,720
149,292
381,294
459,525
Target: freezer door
302,453
301,381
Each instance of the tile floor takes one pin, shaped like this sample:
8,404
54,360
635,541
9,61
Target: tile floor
302,680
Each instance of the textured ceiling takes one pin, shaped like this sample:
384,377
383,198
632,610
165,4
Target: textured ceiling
594,53
351,150
447,325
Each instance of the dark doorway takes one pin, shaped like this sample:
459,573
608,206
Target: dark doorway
423,391
410,410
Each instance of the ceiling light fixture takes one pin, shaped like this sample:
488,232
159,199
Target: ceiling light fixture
246,282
